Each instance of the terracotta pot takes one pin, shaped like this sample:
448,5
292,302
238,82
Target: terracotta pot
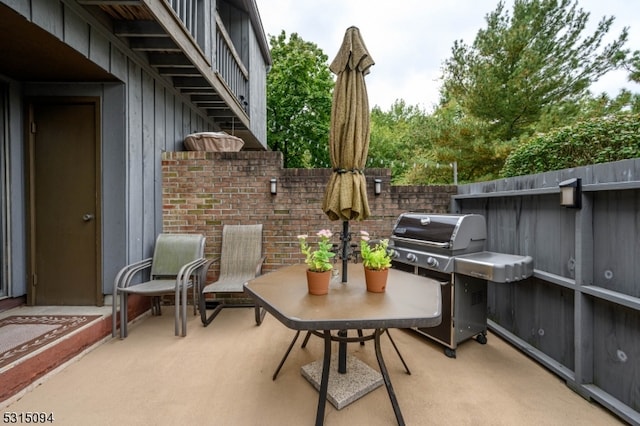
376,280
318,282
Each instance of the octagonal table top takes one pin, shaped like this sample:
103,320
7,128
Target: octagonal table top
409,300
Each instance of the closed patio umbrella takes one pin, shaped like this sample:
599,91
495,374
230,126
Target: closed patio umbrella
345,197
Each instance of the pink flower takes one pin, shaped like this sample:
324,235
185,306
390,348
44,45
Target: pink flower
318,260
325,233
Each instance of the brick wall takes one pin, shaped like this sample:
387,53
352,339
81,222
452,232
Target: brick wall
202,191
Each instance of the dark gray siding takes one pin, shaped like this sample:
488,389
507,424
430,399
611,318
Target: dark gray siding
142,116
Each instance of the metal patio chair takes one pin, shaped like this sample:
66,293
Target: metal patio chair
240,260
175,267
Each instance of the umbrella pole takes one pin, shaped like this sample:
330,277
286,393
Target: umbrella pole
342,346
345,249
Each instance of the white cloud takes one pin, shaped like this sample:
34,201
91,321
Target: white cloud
410,41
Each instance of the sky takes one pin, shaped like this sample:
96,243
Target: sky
409,40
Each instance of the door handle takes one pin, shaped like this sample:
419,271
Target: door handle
87,217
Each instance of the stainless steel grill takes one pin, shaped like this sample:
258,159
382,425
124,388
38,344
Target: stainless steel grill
450,248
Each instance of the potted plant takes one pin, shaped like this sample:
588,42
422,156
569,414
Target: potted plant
376,259
318,261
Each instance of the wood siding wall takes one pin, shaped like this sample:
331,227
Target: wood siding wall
142,117
257,89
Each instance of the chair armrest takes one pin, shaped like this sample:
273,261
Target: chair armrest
259,266
188,270
205,268
126,274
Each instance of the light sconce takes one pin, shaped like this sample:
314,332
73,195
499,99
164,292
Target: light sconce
273,186
377,186
571,193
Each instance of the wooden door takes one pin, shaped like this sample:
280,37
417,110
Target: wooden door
64,202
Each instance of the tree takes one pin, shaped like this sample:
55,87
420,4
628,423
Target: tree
299,91
456,137
523,64
634,67
396,137
421,148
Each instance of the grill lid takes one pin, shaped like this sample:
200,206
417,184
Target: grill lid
451,232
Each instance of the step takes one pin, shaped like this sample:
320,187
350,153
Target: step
23,374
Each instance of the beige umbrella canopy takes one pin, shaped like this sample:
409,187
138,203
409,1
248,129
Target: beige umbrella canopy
345,197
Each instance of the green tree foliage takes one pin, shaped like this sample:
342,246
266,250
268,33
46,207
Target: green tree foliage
522,64
396,138
634,67
299,90
594,141
421,148
460,138
568,113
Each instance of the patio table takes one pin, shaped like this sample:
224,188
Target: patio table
409,301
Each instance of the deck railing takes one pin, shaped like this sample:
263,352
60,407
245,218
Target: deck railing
227,63
230,67
187,11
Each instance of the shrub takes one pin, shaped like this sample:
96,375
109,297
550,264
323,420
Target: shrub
595,141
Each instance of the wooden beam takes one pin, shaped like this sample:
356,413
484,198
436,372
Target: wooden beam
206,98
175,60
163,13
138,29
191,83
220,113
111,2
197,91
179,72
153,44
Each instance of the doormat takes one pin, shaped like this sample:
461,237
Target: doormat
21,335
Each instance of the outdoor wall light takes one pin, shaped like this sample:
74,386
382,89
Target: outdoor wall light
273,186
377,186
570,193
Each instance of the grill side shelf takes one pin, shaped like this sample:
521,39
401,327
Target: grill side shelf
496,267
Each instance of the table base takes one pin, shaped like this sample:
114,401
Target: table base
343,389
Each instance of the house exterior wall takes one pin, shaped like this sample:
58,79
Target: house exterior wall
142,116
202,191
257,89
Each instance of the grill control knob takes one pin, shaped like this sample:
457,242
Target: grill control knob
412,257
432,261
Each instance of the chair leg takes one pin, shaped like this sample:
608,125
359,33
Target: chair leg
184,315
203,313
123,315
177,314
156,306
114,315
195,300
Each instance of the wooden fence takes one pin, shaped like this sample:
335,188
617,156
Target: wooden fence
579,314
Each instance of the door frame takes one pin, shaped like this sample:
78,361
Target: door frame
30,189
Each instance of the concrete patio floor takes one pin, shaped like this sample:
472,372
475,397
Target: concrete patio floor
221,375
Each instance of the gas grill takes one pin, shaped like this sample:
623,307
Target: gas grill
450,249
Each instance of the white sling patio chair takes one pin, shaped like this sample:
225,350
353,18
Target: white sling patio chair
241,260
175,267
